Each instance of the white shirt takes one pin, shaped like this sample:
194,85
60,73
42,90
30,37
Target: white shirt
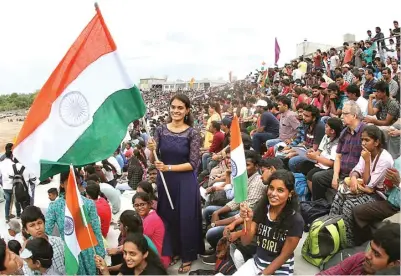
112,160
6,171
113,195
328,150
18,237
333,62
363,105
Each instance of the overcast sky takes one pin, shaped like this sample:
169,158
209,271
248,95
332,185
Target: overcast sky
180,39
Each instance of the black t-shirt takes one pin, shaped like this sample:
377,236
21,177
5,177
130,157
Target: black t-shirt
270,241
270,122
150,269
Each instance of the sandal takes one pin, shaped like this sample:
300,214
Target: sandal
185,268
174,260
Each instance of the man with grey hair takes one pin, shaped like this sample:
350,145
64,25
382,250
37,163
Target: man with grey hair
14,231
348,152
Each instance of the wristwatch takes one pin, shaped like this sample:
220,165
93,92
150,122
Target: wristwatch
169,167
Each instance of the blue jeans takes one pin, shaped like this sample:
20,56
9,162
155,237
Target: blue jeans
259,138
209,210
8,194
272,142
206,157
213,235
294,162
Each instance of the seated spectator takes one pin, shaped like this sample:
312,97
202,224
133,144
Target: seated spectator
349,150
323,158
152,176
342,84
392,84
139,259
10,264
215,214
14,246
313,133
277,226
53,194
129,223
337,100
366,215
268,129
153,226
354,94
222,183
366,178
386,109
288,123
299,96
394,139
215,147
146,187
370,83
113,195
102,206
383,254
33,222
38,255
13,231
317,97
217,174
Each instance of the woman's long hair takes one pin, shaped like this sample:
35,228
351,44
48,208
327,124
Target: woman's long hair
292,206
188,119
216,107
131,220
142,244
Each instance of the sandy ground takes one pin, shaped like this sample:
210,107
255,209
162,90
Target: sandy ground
9,130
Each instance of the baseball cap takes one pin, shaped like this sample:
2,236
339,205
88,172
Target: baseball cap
226,121
261,103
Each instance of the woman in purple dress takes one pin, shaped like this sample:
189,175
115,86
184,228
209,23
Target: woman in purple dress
177,145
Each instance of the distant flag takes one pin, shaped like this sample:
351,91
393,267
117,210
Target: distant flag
78,234
276,51
230,76
82,112
239,176
191,83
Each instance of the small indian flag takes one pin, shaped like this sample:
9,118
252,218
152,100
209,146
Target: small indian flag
78,234
82,112
239,176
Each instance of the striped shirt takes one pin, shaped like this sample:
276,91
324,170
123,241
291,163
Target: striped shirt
350,148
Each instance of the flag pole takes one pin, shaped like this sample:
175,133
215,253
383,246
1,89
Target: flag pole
157,159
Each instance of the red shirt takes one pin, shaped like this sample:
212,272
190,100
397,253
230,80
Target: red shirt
343,87
217,142
104,212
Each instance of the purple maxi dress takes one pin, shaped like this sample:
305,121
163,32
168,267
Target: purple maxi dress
183,236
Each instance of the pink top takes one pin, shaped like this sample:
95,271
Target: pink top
153,227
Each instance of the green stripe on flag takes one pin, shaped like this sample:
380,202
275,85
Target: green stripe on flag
241,187
71,264
108,128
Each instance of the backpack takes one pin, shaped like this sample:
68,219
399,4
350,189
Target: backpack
311,210
20,188
326,237
218,198
301,187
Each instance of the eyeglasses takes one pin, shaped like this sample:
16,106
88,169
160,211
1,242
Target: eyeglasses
137,205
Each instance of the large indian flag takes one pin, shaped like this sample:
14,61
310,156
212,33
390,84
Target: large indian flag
82,112
239,176
78,235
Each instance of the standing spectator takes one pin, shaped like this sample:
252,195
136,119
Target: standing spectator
396,32
358,55
381,44
334,62
317,59
368,53
348,53
178,145
214,113
215,147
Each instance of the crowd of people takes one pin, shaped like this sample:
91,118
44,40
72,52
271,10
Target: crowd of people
325,129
